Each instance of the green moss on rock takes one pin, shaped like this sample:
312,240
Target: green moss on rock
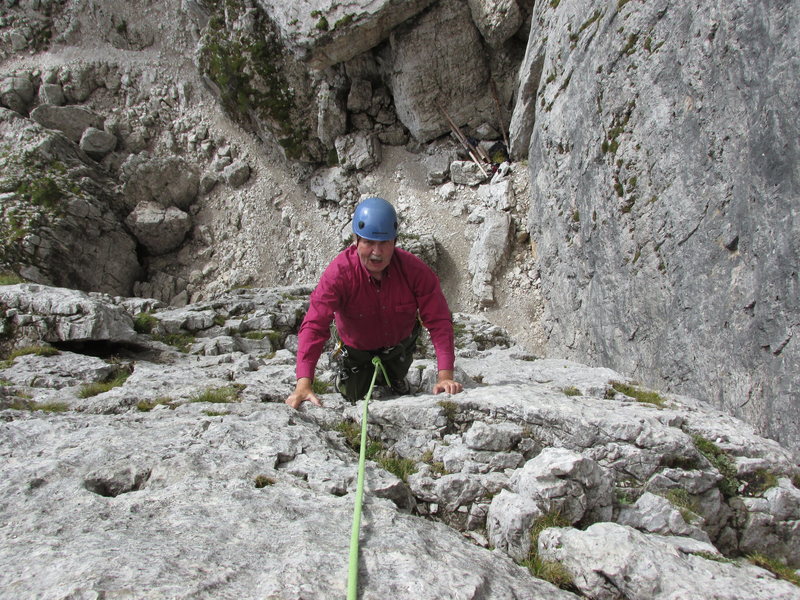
249,70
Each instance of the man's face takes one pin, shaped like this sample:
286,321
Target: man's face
375,256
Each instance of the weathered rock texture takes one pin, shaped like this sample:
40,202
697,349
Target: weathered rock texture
664,195
663,152
59,216
191,478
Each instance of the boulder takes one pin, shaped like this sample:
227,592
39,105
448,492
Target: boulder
333,184
97,144
71,120
565,482
325,33
771,524
359,98
358,151
437,168
613,561
236,174
456,62
497,20
51,93
158,229
500,195
509,521
467,172
332,116
169,181
46,314
17,93
656,514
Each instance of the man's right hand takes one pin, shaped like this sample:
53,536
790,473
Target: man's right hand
302,392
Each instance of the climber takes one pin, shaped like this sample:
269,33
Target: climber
378,295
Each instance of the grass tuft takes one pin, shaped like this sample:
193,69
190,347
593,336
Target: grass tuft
10,279
148,405
48,407
552,571
755,484
640,395
399,467
37,350
215,413
320,387
144,322
352,438
450,410
181,341
218,395
262,481
683,501
100,387
729,485
774,566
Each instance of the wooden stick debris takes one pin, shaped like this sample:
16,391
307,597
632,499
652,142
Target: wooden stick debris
471,149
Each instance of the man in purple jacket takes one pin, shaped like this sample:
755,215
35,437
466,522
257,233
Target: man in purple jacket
378,295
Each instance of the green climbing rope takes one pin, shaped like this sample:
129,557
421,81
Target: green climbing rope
352,579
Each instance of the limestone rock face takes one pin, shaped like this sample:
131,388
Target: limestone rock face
662,195
192,459
358,151
325,32
42,313
430,70
60,223
97,143
621,556
497,20
488,252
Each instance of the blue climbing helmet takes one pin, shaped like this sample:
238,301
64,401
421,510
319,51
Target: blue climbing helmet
375,219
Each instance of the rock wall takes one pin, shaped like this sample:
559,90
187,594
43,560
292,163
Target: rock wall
664,199
128,424
662,142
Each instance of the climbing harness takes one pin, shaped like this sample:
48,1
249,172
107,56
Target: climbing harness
352,578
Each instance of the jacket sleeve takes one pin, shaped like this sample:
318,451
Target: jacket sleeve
435,315
324,301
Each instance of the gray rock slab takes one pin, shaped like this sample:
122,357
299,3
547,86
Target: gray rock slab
623,245
629,564
326,32
42,313
167,502
218,495
72,120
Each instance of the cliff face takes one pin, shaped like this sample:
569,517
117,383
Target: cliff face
162,431
225,144
665,194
